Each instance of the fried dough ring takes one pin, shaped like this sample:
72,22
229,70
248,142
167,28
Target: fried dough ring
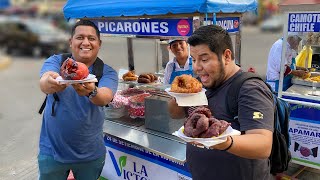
186,84
145,76
155,77
128,74
143,80
151,77
196,125
130,78
202,110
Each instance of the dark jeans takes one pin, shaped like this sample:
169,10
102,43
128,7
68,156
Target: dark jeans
49,169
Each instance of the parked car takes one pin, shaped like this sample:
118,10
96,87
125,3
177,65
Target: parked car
273,24
58,20
32,36
249,18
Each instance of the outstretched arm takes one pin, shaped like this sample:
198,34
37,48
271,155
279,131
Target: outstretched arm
48,83
102,97
254,144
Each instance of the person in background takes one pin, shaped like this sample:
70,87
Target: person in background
181,63
72,139
241,157
274,62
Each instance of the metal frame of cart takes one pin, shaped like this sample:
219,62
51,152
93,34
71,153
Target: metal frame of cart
126,144
304,100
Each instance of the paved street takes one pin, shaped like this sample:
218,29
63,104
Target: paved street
21,98
19,123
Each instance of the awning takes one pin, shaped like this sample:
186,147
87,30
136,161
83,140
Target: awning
117,8
4,4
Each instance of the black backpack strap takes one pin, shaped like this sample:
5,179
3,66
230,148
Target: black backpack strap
56,98
64,56
233,92
97,69
42,106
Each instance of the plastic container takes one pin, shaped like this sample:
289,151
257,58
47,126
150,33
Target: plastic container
136,105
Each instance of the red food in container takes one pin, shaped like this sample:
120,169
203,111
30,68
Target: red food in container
136,105
121,98
131,92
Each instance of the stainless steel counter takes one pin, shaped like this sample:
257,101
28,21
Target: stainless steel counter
154,141
305,91
304,95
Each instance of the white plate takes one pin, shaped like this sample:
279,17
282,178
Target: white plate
90,78
189,99
207,142
168,90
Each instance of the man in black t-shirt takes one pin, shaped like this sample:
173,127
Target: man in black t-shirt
244,156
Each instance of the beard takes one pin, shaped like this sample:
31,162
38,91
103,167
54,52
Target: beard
218,77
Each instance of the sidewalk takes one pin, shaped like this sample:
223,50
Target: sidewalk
5,61
298,172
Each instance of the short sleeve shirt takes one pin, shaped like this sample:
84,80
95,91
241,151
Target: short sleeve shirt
274,59
254,97
75,133
169,69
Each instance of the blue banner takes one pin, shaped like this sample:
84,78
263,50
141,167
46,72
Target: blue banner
141,152
304,22
231,24
146,27
303,112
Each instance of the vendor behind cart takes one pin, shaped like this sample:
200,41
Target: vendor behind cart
181,63
274,62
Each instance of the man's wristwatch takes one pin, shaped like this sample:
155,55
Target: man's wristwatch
93,93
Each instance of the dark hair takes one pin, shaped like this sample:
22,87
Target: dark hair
84,22
217,39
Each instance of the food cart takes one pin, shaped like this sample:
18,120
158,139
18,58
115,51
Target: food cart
303,17
141,146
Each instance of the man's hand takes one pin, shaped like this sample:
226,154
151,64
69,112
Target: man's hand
300,73
83,89
223,145
301,68
49,84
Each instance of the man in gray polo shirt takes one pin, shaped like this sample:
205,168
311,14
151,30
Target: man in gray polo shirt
242,157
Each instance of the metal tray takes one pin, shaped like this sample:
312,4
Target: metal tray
304,83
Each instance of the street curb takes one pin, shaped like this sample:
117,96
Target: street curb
5,61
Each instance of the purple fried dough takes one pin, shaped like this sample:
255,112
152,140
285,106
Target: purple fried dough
202,110
188,131
224,126
202,125
195,125
213,120
188,127
213,130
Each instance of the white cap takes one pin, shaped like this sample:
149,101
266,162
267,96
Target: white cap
176,39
